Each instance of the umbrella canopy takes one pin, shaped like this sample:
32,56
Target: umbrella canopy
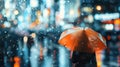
82,39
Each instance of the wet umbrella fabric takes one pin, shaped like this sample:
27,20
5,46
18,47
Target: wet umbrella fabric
82,40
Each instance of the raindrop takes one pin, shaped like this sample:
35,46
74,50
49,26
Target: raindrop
8,35
10,40
13,45
50,40
19,3
16,48
7,52
1,21
5,31
115,32
55,37
11,52
21,54
68,1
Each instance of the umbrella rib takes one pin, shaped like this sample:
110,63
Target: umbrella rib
74,45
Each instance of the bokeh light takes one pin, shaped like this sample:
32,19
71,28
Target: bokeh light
25,39
98,7
16,12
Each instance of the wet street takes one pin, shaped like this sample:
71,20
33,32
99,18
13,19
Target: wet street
45,52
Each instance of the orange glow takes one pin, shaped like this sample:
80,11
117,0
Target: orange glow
16,59
108,37
0,16
2,25
17,65
117,21
17,62
35,23
33,35
118,60
48,11
119,37
98,58
38,13
32,25
108,22
79,12
41,52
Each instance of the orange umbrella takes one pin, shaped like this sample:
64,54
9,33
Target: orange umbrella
82,39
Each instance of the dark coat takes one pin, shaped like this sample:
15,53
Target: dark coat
81,59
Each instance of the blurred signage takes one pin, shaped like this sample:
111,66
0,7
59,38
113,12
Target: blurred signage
106,16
